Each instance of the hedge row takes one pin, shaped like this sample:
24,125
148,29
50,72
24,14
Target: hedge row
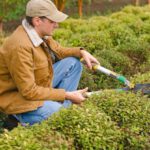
109,120
120,41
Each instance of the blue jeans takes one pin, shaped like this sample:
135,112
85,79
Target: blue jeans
67,73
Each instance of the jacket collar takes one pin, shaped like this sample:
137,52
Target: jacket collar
33,35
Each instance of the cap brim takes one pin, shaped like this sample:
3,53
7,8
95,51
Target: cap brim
58,17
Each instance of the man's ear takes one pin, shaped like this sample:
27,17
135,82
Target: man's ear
36,21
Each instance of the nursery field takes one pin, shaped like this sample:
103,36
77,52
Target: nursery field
110,120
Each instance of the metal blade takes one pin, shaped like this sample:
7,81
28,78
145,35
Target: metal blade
144,88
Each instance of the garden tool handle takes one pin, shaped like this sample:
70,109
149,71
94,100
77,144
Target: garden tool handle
111,73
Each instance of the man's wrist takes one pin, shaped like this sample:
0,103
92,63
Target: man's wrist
67,95
82,51
81,48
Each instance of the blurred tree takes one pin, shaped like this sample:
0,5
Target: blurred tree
1,25
80,2
137,2
60,4
14,9
11,10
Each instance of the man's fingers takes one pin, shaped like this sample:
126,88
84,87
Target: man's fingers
91,62
88,62
84,90
94,60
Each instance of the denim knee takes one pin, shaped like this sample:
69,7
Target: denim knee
74,61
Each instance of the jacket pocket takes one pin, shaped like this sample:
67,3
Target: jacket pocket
43,76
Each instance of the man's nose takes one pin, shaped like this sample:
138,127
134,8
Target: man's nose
56,25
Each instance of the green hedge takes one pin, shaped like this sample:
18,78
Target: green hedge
109,120
37,137
120,41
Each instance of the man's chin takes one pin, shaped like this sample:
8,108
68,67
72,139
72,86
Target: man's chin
47,35
50,34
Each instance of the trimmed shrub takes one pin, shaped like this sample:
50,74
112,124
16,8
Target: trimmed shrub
89,128
109,120
37,137
131,113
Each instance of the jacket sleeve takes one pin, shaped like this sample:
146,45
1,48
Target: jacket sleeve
22,72
63,52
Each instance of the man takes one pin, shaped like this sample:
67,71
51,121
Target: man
37,75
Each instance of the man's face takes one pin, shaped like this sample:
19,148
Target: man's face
45,27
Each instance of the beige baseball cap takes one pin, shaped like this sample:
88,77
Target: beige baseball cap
37,8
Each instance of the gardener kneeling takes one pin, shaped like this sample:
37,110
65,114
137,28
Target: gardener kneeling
37,75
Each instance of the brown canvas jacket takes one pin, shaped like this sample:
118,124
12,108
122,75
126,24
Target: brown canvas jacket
26,73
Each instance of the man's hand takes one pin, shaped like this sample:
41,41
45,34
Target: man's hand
89,59
77,97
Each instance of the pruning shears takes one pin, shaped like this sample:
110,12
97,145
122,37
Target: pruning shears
144,88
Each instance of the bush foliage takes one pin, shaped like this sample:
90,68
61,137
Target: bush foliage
120,41
109,120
